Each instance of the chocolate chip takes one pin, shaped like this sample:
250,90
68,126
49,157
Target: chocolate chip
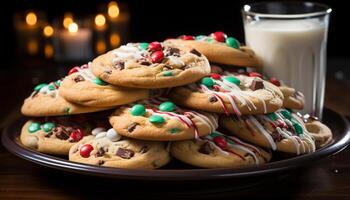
213,99
100,152
277,137
125,153
109,72
195,52
79,78
145,63
48,134
101,162
257,84
132,126
167,67
144,149
206,148
62,132
173,52
119,65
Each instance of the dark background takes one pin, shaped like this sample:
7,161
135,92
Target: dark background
156,20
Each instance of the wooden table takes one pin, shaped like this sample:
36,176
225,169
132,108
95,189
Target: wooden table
19,179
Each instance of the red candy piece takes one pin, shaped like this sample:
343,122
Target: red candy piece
275,81
216,88
85,150
77,135
188,37
215,76
220,141
85,66
155,46
219,36
157,56
255,74
73,70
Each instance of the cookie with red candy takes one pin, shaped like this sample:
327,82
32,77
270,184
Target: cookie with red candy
151,65
81,86
217,150
109,149
56,135
229,93
220,48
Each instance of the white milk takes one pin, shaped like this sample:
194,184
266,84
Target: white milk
295,52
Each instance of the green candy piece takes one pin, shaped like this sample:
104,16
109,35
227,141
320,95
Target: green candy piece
99,81
34,127
47,127
168,73
233,80
286,114
51,87
215,134
232,42
138,110
156,119
143,45
38,87
229,141
272,116
209,40
58,83
167,106
298,128
174,130
199,37
207,82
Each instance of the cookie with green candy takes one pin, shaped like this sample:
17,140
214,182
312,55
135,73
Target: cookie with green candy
159,119
220,48
107,148
45,100
81,86
151,65
229,93
280,131
56,135
217,150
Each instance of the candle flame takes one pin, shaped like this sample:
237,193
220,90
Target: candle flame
73,27
114,40
31,18
48,31
100,47
67,20
100,20
48,50
113,9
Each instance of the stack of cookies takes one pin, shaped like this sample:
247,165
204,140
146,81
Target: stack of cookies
142,104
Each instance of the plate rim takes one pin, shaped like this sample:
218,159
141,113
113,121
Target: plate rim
9,142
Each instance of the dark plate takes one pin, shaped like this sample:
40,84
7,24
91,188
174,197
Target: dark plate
176,170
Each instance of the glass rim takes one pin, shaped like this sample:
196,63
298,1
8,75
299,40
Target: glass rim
246,9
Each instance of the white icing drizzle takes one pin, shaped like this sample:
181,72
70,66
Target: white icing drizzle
86,72
176,61
127,52
264,132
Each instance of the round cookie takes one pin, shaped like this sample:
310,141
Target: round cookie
111,150
218,151
322,134
161,120
153,65
219,48
292,99
230,94
281,130
81,86
55,135
45,100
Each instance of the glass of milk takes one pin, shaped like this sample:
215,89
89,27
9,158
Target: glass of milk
291,39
